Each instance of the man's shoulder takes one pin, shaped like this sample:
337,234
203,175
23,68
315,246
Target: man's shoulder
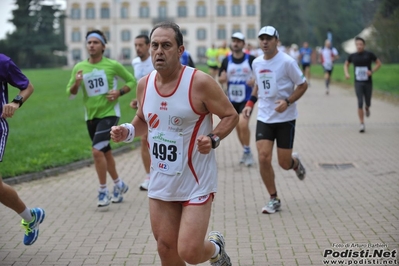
136,60
4,58
285,57
258,59
370,53
82,63
110,61
251,57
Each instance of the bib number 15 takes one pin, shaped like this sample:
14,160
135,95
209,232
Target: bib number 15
266,84
164,152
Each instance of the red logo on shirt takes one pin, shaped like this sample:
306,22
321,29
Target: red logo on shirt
264,71
164,106
153,120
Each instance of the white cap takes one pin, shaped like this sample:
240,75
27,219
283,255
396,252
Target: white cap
238,35
268,30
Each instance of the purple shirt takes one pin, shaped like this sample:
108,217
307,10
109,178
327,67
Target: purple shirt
10,74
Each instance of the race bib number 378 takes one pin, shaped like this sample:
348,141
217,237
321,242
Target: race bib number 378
96,83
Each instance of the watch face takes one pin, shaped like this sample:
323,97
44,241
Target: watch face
18,98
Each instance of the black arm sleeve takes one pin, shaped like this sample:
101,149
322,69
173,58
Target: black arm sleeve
251,59
223,67
190,62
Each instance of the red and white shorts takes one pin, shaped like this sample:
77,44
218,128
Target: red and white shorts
197,201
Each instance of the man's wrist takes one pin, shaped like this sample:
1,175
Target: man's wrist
121,92
287,101
130,132
215,140
251,102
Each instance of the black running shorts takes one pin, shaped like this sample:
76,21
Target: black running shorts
99,131
364,90
239,106
283,133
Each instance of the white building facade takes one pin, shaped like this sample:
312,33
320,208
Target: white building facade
203,23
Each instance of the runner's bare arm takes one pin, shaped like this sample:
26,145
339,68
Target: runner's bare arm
120,133
73,90
376,66
298,92
248,108
139,121
346,69
208,96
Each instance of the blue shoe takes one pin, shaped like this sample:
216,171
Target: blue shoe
32,227
103,199
117,195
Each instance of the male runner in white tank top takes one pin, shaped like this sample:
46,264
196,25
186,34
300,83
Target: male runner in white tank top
176,104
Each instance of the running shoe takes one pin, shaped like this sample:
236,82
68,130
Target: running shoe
249,159
144,185
117,195
273,206
222,259
367,112
103,199
243,158
300,169
362,128
32,227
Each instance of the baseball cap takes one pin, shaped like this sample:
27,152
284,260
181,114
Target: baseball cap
268,30
238,35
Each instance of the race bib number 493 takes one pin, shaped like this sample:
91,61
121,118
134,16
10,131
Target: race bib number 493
166,151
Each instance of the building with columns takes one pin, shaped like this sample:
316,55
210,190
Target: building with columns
202,22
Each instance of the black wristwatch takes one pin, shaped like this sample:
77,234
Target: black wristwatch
18,99
287,101
215,140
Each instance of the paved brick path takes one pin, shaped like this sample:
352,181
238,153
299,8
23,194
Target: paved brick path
356,205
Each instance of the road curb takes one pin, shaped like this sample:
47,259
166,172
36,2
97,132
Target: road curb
65,168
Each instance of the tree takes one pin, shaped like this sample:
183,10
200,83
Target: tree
36,36
284,15
309,20
385,37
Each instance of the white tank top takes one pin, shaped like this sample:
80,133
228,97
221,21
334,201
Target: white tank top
178,171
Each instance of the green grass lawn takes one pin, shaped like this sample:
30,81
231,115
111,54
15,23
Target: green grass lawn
385,80
49,130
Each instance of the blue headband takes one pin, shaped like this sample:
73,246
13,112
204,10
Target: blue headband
96,35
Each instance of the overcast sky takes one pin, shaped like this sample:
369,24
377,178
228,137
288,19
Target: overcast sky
6,6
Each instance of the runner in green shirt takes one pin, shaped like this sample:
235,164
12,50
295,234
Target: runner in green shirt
212,61
96,78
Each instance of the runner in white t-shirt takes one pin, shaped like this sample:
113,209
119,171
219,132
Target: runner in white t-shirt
279,84
142,66
328,55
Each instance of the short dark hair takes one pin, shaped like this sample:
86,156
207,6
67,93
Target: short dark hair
174,27
145,37
98,32
357,38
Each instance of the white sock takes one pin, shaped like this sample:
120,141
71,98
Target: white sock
217,250
118,182
103,188
26,215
